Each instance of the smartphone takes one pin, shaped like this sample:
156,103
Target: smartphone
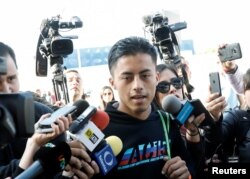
200,108
214,78
230,52
45,125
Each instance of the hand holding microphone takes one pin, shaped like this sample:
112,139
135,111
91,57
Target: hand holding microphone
48,161
182,112
93,139
75,110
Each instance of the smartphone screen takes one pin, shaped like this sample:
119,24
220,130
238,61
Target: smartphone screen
214,78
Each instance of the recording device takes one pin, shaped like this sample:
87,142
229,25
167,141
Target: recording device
17,116
230,52
3,66
90,135
48,161
53,47
182,112
106,155
82,119
102,151
214,78
75,110
164,37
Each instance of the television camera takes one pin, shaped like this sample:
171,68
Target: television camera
53,47
163,36
17,117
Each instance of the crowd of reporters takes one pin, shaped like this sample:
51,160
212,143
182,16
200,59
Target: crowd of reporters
192,146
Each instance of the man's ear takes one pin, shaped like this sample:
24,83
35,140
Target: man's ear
157,76
111,81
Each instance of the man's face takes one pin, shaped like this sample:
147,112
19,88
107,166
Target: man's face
135,79
74,83
9,83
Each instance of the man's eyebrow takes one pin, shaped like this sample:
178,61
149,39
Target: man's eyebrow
141,72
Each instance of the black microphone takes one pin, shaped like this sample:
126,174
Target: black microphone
182,112
103,151
48,161
75,110
82,119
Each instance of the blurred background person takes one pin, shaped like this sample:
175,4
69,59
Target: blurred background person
106,96
74,84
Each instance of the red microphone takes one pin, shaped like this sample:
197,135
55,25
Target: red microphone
90,135
100,119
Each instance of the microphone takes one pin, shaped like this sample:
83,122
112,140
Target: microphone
147,20
82,119
102,151
178,26
90,135
106,156
48,160
75,110
182,112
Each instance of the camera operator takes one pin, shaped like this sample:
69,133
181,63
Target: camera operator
9,83
37,140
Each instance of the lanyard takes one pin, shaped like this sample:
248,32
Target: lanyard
165,124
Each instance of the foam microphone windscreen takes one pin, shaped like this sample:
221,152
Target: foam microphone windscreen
171,104
115,144
147,20
100,119
53,159
81,105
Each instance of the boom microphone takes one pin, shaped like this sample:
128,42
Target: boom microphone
48,160
75,110
182,112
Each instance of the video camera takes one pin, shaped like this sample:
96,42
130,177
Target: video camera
52,46
17,116
164,37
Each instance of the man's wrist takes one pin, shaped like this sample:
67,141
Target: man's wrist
231,71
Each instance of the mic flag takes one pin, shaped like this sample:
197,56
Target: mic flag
90,134
106,156
49,161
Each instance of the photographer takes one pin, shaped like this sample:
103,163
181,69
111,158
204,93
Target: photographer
235,130
9,83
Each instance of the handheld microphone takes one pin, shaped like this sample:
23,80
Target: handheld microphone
75,110
182,112
106,155
82,119
91,135
102,151
48,160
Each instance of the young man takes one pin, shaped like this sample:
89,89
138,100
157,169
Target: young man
148,151
75,86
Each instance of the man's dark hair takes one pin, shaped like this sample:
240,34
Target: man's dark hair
7,50
130,46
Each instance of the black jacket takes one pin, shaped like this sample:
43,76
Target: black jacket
236,133
144,145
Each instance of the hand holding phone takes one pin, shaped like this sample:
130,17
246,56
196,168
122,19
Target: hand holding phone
230,52
214,78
